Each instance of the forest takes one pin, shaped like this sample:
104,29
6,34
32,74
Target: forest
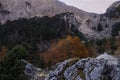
43,42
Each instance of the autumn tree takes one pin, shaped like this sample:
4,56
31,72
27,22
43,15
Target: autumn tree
69,47
3,52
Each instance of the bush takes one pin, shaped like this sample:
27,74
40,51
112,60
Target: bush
69,47
11,67
20,52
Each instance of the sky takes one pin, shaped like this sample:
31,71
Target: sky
95,6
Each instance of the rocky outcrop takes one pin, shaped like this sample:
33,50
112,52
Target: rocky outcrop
34,73
104,67
114,10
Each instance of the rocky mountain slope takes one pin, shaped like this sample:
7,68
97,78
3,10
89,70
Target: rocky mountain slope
104,67
91,25
109,21
104,25
14,9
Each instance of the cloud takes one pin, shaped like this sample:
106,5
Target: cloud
96,6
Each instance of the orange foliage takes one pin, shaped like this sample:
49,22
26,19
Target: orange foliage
3,52
69,47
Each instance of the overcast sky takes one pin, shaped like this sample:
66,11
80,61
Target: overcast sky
96,6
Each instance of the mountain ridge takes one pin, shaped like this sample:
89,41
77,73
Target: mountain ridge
93,26
28,8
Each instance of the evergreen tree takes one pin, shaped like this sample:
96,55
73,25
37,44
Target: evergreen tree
11,67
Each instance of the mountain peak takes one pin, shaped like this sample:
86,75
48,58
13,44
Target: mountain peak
114,10
14,9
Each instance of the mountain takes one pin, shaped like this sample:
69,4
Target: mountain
114,10
14,9
41,27
105,25
91,25
110,20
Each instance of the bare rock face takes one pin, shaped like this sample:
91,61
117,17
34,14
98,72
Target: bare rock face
34,73
14,9
109,22
106,24
114,10
104,67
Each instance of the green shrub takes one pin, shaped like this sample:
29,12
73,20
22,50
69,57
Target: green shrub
11,68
